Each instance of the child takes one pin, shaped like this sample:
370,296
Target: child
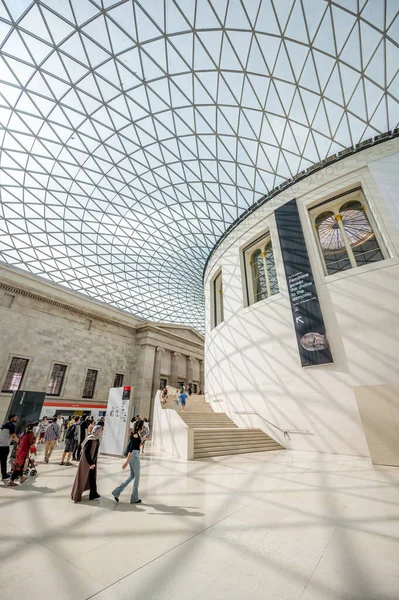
183,400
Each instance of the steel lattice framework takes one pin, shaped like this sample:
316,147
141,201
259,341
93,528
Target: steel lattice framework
133,133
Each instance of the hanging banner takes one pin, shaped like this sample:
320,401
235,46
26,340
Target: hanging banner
306,312
28,406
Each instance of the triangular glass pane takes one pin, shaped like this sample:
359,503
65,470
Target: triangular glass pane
392,59
241,41
351,51
296,28
176,63
266,21
175,19
73,46
324,39
33,21
236,17
83,11
146,28
15,48
283,10
370,40
373,12
334,88
62,8
324,67
343,24
205,17
59,29
119,40
282,68
96,54
349,79
228,59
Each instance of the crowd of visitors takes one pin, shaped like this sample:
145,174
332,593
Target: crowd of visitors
82,438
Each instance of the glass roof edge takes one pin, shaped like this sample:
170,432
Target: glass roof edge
350,150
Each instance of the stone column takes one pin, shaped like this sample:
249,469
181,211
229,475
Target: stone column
145,374
189,370
157,372
202,377
173,370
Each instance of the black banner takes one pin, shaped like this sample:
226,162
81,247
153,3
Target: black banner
28,406
306,312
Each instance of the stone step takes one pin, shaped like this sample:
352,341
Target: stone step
236,446
202,425
232,441
228,451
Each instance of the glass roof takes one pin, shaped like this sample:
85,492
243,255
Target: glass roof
133,133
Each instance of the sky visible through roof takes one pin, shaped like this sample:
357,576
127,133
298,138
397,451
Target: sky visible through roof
132,134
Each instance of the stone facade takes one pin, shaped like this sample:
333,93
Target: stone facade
48,324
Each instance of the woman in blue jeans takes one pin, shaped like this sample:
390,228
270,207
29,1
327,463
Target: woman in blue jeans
133,460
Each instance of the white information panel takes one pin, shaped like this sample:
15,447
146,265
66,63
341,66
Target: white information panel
116,421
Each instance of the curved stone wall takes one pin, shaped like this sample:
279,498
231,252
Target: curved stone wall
253,371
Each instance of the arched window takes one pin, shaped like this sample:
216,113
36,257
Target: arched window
259,288
218,309
332,243
345,235
360,234
261,271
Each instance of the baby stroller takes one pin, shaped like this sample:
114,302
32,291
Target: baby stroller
30,465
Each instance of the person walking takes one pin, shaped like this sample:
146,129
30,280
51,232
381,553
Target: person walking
82,434
61,424
51,437
183,400
86,475
71,440
177,399
7,435
25,443
91,425
133,460
42,429
190,389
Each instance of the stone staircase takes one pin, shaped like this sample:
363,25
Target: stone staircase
216,435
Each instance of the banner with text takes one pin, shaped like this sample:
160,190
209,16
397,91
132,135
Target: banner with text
308,319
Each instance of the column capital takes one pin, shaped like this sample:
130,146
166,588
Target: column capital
190,358
176,354
160,349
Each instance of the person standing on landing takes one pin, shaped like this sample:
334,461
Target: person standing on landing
86,475
133,460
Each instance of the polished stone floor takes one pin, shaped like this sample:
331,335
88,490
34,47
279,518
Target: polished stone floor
278,525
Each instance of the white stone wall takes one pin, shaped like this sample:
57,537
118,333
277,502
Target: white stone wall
46,324
46,334
252,361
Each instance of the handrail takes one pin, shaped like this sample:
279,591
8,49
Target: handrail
285,431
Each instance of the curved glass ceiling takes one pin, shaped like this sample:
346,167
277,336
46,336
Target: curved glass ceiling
133,133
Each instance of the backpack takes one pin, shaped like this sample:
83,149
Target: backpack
71,432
